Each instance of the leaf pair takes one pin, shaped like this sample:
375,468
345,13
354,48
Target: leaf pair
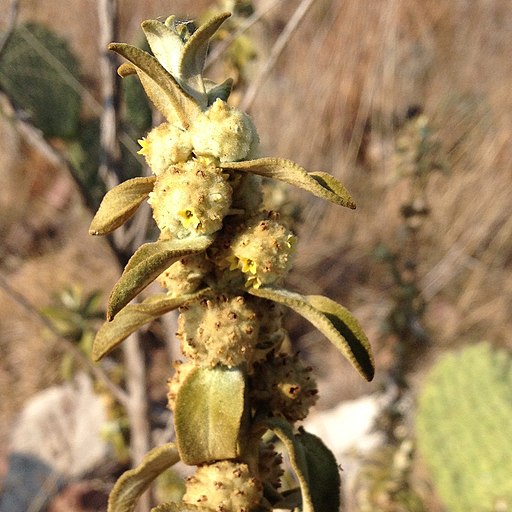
330,318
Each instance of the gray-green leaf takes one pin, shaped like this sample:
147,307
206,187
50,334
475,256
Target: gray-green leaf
165,44
163,90
332,320
194,53
148,262
134,316
208,416
119,204
323,473
134,482
298,460
318,183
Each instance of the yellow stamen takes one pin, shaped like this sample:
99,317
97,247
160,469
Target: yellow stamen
144,147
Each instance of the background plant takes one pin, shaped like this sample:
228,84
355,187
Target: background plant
463,426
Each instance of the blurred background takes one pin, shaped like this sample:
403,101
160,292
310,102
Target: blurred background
408,103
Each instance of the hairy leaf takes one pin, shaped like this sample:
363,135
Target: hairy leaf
165,44
318,183
298,459
323,473
208,414
148,262
119,204
134,316
332,320
163,90
194,53
134,482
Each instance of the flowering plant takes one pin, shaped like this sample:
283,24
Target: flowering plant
221,258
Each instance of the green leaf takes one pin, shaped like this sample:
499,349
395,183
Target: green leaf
134,482
332,320
323,473
119,204
194,53
298,459
208,416
318,183
148,262
163,90
134,316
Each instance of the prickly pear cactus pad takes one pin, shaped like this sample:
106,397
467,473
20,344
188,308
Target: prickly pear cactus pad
464,428
221,258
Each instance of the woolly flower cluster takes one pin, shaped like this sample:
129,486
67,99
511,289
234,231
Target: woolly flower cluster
224,485
263,250
190,198
221,133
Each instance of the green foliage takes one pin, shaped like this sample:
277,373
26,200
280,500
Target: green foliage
133,483
36,70
464,428
75,316
83,152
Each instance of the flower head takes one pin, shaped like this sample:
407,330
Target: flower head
190,199
225,133
263,250
164,146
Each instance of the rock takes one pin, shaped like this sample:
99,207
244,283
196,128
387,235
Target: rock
348,430
56,438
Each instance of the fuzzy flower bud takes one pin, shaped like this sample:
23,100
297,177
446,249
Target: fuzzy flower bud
191,198
271,332
262,250
247,193
218,330
285,387
223,486
164,146
225,133
185,275
270,465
